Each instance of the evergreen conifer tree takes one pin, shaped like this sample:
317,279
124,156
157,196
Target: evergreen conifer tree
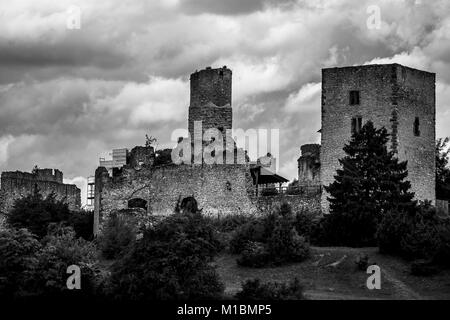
371,182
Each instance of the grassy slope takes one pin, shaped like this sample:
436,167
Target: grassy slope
344,281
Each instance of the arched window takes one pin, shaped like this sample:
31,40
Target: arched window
137,203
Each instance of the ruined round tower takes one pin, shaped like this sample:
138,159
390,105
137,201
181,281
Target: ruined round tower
211,99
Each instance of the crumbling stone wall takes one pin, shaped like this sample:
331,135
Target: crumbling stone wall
309,165
140,156
219,189
391,96
16,184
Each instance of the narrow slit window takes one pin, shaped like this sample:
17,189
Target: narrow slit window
354,97
356,125
417,127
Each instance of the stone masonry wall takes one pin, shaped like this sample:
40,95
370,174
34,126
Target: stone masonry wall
390,96
416,98
309,165
219,189
298,203
211,99
18,184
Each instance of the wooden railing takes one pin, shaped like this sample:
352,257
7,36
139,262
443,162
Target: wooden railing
289,190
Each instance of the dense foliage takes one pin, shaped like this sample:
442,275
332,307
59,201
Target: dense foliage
36,213
171,261
29,268
270,240
442,169
419,233
118,236
18,258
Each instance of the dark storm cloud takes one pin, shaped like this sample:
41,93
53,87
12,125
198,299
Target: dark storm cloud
229,7
69,96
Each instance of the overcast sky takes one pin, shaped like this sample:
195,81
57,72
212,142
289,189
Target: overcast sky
68,95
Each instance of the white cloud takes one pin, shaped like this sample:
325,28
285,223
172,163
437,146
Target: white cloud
414,59
4,144
154,101
305,99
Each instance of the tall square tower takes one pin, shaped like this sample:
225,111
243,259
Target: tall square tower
399,98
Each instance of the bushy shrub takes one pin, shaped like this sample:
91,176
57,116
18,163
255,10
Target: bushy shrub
36,213
82,223
171,261
305,222
254,255
18,259
29,268
229,223
285,245
118,235
276,232
415,234
253,231
255,290
61,249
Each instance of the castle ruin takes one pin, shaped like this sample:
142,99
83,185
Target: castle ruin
150,188
17,184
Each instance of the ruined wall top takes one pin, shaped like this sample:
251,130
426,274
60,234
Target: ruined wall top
310,150
211,85
51,175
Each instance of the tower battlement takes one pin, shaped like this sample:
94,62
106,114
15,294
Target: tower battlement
211,85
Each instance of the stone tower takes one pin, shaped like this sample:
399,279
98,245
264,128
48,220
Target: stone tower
211,99
399,98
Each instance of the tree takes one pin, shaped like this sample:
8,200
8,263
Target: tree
118,236
171,261
62,249
149,140
36,213
29,268
442,169
18,256
370,183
